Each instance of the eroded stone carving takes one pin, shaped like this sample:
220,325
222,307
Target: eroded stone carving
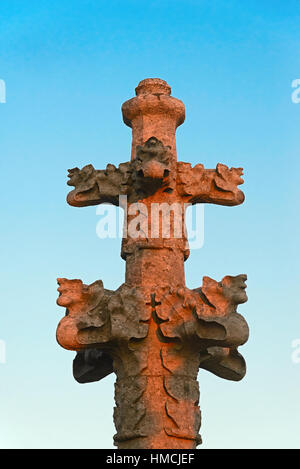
219,186
136,179
154,332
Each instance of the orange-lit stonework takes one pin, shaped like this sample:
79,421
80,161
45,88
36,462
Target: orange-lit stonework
154,332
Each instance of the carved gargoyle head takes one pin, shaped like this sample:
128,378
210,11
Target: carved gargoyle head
78,297
152,166
228,179
152,159
84,181
234,289
78,177
227,294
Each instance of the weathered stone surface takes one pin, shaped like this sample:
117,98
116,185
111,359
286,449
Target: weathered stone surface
91,365
154,332
217,186
137,179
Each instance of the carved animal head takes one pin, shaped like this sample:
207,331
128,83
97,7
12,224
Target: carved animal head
152,159
227,294
76,296
152,167
81,177
228,177
80,300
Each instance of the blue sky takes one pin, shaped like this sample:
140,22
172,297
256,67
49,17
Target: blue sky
68,66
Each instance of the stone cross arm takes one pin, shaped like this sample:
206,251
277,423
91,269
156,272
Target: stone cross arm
204,319
155,340
152,169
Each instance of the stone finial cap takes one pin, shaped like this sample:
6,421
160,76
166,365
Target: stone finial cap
153,112
153,86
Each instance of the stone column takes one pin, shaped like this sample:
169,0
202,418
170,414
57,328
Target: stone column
154,332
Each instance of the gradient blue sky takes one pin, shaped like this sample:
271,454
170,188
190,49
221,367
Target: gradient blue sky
68,67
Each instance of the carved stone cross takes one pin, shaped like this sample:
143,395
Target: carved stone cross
154,332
